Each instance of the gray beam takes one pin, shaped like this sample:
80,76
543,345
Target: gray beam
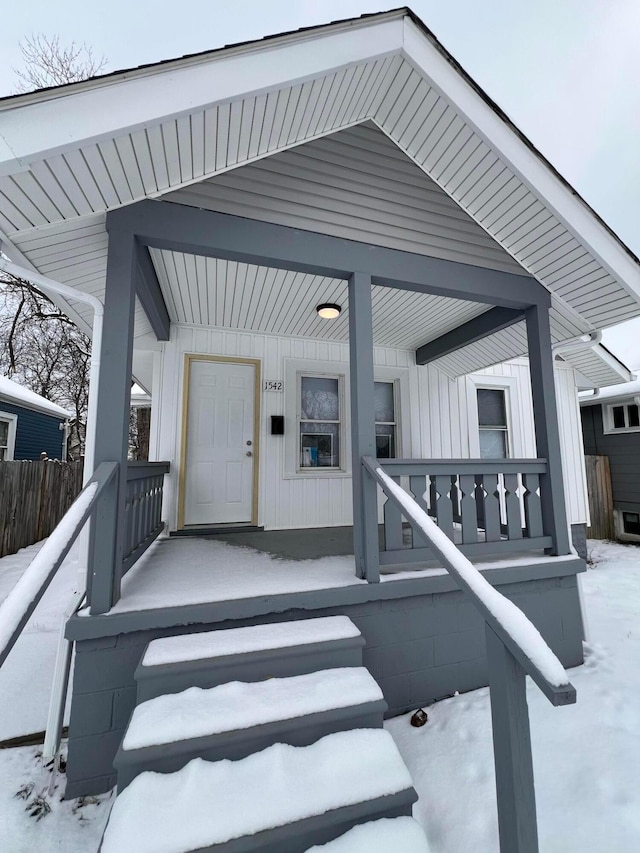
545,414
165,225
492,321
150,295
363,428
112,427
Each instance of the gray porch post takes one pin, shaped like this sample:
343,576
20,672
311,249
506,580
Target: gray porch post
545,413
112,430
363,429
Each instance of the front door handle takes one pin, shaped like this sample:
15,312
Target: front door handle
248,453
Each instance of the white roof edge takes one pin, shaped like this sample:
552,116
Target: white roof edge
530,166
45,126
621,392
18,395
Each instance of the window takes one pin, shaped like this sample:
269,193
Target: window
623,416
386,426
320,415
7,435
492,423
631,522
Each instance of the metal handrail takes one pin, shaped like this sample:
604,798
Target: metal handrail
509,661
17,608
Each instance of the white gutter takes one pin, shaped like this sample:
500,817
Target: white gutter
63,656
579,343
48,285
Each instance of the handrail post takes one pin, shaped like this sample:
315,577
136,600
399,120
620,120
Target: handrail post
545,415
511,749
363,428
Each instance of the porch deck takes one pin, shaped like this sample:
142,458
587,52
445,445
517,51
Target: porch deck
200,579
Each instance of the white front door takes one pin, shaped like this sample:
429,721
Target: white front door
220,443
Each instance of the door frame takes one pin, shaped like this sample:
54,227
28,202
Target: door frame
186,384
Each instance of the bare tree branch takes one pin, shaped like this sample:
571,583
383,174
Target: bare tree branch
49,63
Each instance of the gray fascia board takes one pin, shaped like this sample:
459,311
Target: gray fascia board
492,321
180,228
150,295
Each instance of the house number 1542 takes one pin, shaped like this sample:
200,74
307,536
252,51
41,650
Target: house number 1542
273,385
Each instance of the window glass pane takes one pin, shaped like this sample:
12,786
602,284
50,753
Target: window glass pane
491,407
319,445
631,522
493,444
383,399
319,399
4,433
618,417
385,441
634,416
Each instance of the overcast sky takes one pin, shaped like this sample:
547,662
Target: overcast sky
566,71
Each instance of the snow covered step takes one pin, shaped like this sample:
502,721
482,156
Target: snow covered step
172,664
401,834
284,799
235,719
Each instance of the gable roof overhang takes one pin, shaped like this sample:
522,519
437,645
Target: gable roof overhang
68,155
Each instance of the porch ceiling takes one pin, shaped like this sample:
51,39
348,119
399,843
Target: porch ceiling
70,154
212,292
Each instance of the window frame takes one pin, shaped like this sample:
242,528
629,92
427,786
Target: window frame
397,432
333,469
607,419
12,420
508,384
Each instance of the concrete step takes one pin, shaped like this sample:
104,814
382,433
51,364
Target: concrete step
235,719
284,799
401,834
171,664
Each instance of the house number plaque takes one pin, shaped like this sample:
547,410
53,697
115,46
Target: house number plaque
272,385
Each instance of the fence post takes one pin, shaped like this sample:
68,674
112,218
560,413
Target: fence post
42,502
511,749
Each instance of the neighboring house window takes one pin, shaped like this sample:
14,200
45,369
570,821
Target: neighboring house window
386,424
631,522
622,417
492,423
320,421
7,435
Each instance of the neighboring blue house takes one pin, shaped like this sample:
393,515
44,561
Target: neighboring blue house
30,424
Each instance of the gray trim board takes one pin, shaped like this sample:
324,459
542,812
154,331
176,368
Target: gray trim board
150,295
84,628
176,227
492,321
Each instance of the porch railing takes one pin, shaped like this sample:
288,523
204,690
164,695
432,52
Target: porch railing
485,506
143,509
514,650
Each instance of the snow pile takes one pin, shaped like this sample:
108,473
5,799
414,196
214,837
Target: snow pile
28,588
10,390
197,712
400,834
239,641
511,618
586,756
209,803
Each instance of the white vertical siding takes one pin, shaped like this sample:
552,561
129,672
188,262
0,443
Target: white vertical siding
435,422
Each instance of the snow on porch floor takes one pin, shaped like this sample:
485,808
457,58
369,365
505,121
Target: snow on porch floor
181,571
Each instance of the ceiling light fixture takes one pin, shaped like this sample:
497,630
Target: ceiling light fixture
328,310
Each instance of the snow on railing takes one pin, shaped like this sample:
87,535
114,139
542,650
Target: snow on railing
17,608
514,648
515,629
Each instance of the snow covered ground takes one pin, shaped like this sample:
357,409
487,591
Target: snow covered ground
586,756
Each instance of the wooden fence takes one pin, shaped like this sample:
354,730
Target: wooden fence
33,498
600,498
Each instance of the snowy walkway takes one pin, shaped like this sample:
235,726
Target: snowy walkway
586,756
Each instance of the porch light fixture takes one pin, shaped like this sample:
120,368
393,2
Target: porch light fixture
328,310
